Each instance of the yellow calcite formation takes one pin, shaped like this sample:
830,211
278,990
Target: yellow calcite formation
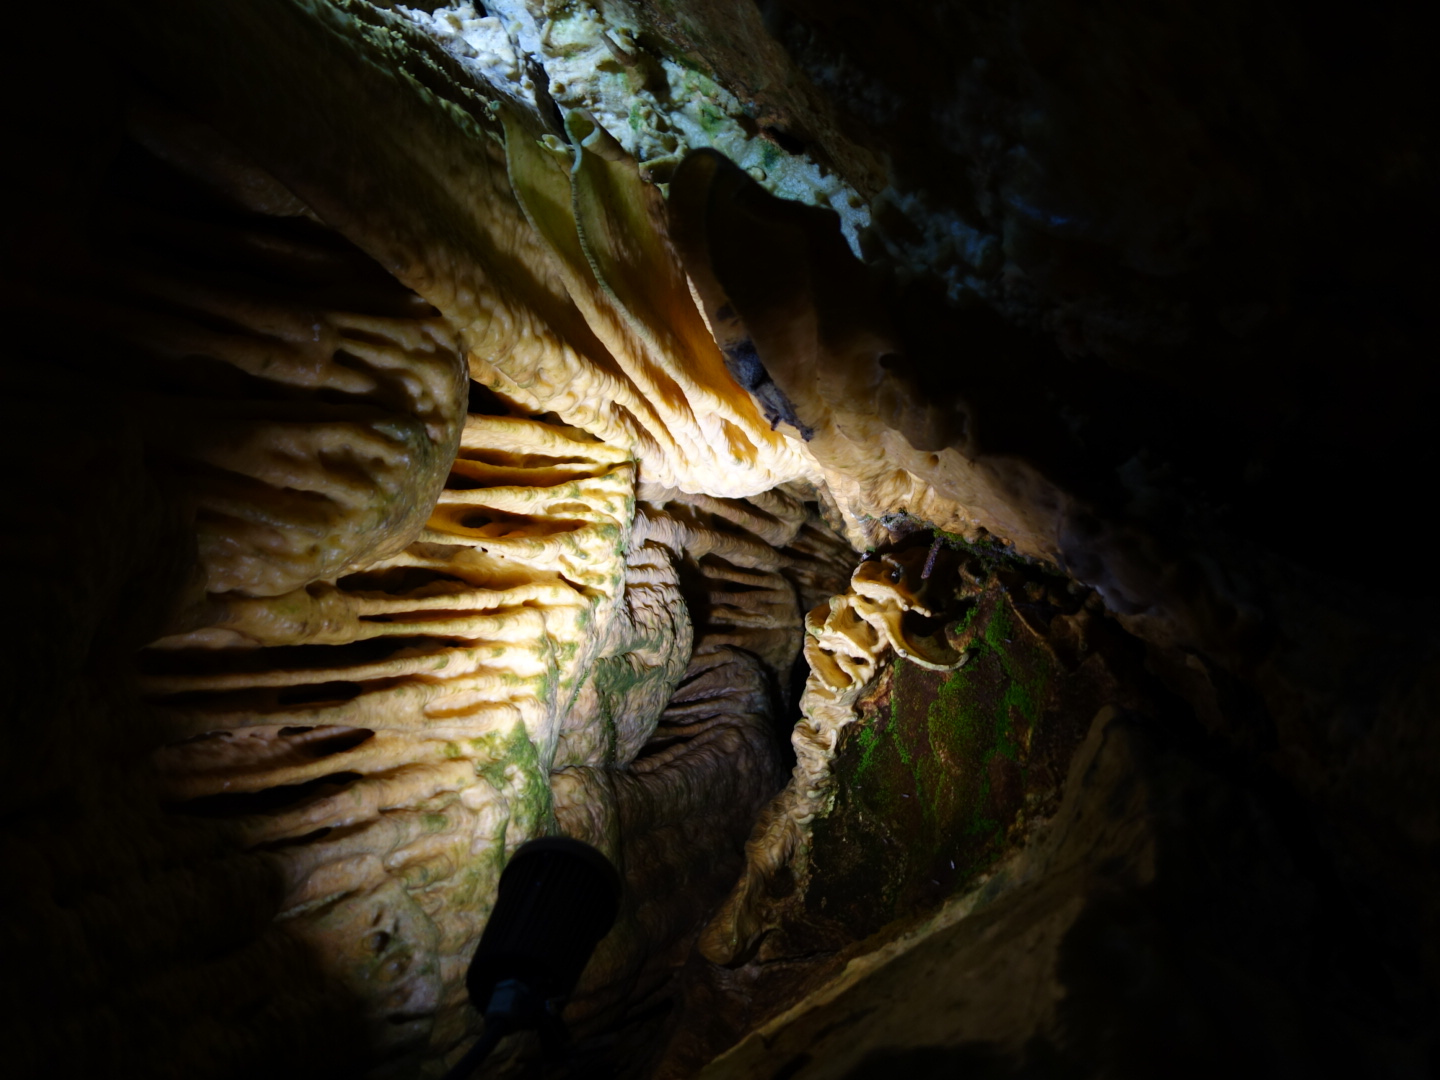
551,263
778,284
407,715
307,407
391,734
846,639
653,379
437,629
386,724
504,476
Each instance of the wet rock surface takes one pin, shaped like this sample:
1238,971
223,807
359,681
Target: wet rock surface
945,771
941,777
1158,281
1175,918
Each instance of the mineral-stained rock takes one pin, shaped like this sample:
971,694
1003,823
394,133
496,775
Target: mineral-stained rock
929,779
304,404
846,641
357,716
389,734
314,630
1063,961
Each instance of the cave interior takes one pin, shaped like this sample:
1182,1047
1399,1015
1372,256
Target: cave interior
907,482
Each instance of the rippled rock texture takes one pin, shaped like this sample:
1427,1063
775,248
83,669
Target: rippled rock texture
438,427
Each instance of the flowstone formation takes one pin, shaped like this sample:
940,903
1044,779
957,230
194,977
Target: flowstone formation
919,773
657,103
486,544
850,465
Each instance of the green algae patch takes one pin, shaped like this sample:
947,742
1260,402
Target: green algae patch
934,775
509,761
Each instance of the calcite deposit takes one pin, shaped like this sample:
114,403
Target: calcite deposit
847,640
904,482
375,686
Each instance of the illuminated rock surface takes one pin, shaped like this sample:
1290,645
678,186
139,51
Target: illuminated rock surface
418,452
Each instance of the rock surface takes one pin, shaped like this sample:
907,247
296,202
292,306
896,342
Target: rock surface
1071,961
1144,313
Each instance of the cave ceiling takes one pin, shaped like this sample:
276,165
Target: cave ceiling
934,491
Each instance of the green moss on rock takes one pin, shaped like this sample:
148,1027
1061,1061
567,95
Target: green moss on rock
931,778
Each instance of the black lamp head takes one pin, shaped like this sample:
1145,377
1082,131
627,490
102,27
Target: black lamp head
558,897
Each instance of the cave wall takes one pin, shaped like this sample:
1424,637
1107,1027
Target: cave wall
1152,289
